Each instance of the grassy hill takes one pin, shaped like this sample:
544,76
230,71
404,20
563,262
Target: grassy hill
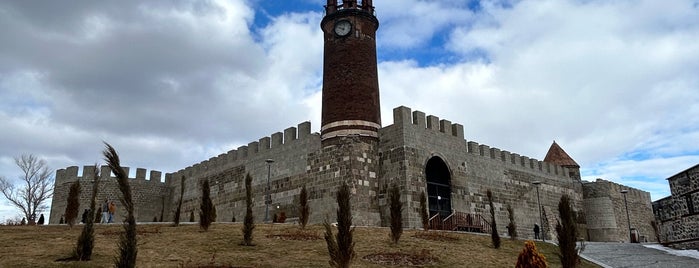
160,245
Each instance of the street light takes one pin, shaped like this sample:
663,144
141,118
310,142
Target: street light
268,200
628,220
439,210
541,218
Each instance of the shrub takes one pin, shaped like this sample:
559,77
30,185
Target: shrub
341,249
41,220
396,208
86,240
279,217
207,212
61,221
494,236
178,210
423,212
73,205
248,222
191,216
304,209
566,231
127,240
530,257
512,226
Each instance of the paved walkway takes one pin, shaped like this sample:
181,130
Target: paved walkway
618,255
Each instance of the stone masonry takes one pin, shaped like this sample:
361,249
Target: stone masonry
149,195
678,214
605,212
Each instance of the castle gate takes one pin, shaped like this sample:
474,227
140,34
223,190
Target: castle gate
438,187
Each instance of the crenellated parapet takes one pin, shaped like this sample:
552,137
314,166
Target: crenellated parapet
147,188
70,174
405,117
265,145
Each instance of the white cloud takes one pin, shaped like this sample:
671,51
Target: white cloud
613,82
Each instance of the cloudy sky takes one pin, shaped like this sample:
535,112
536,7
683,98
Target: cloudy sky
171,84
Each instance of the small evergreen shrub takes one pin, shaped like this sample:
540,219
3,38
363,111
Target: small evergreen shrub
494,236
512,226
248,222
424,215
207,212
86,241
191,216
567,233
530,257
178,210
41,220
341,249
396,208
304,208
73,206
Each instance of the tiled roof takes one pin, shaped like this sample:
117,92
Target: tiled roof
559,157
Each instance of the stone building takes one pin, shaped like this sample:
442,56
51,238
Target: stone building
605,208
678,214
418,152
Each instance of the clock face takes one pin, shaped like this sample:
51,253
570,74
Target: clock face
343,28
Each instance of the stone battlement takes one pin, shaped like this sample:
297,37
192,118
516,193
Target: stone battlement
71,174
404,116
234,157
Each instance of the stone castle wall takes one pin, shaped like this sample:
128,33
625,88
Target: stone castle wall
678,214
605,212
414,138
369,167
290,151
148,195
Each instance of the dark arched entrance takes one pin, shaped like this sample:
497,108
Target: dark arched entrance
438,187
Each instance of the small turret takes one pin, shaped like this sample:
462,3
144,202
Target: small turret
556,155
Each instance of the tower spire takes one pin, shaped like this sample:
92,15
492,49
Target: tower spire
556,155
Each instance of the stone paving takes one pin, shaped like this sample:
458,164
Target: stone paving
618,255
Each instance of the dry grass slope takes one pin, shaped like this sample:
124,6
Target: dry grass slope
161,245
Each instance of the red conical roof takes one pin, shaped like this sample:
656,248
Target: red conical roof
558,156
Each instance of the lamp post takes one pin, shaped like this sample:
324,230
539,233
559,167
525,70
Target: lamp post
268,200
628,219
439,210
538,201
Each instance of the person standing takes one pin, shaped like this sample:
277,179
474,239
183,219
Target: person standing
536,231
112,210
105,211
84,217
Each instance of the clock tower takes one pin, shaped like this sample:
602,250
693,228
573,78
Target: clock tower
350,80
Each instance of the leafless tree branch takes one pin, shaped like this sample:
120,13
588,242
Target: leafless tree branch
36,186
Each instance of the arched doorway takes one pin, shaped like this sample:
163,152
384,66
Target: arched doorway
438,187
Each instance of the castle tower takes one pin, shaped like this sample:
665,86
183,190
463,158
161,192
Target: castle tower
350,80
558,156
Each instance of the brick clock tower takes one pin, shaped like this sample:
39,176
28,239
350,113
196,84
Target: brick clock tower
351,116
350,80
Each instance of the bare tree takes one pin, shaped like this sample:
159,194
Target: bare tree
36,186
